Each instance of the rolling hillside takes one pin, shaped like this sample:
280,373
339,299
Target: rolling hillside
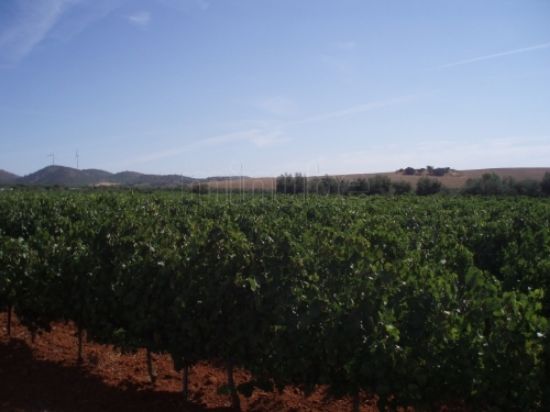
7,178
70,177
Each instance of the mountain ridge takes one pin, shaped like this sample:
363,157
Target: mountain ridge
55,175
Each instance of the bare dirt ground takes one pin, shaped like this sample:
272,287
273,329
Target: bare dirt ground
44,376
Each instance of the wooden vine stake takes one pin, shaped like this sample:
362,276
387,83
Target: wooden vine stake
9,321
356,402
150,368
235,401
79,337
185,382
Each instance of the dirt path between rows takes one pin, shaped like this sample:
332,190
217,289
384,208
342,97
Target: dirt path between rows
44,376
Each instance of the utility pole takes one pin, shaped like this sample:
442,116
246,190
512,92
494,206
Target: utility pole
242,183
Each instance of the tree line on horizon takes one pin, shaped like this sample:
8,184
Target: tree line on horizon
375,185
428,170
487,184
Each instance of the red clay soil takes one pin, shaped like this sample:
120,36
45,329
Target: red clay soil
44,376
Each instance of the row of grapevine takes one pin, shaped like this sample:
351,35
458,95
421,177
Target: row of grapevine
417,301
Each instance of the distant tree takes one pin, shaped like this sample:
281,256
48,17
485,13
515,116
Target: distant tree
379,185
528,187
440,171
299,183
284,183
325,185
491,184
401,187
430,170
409,171
420,172
426,186
199,188
343,186
360,185
328,185
509,186
488,184
471,187
545,184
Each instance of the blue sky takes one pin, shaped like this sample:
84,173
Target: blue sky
200,87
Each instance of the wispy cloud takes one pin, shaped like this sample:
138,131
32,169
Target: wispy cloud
32,23
81,16
258,138
140,18
270,135
255,137
495,55
277,105
354,110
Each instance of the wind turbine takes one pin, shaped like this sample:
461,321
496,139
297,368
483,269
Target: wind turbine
77,158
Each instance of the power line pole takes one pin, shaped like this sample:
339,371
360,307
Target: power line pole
242,183
77,159
52,155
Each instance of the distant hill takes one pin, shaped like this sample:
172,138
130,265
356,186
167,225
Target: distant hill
63,176
7,178
70,177
138,179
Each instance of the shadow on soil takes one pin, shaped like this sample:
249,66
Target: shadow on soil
31,385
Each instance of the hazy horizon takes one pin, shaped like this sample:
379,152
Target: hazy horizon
312,175
201,87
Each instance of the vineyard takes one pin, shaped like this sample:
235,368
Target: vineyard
417,301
